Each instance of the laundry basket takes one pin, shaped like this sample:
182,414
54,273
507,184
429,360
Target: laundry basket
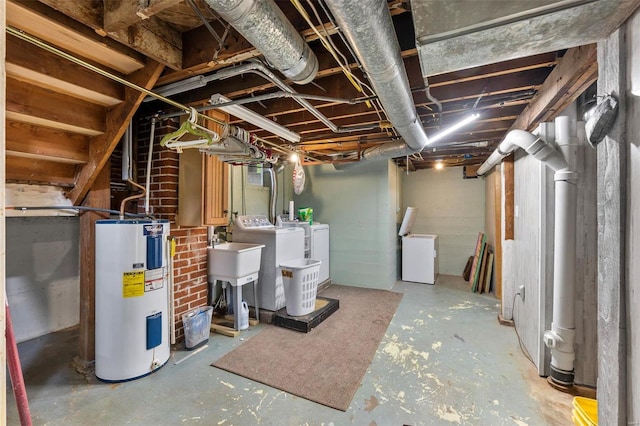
300,280
197,325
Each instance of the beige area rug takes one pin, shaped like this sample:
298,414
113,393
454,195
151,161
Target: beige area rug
327,364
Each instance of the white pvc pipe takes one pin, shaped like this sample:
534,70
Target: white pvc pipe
560,339
564,277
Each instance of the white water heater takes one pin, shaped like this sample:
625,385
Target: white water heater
132,312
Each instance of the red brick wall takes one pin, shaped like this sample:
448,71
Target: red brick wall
190,262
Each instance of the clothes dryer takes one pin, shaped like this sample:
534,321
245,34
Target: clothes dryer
280,245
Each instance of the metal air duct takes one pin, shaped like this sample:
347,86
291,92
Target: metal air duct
266,27
368,26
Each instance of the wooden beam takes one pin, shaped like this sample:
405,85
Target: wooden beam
575,72
153,38
497,198
39,171
98,197
509,197
613,195
52,72
156,40
154,7
116,123
34,105
120,14
38,20
42,143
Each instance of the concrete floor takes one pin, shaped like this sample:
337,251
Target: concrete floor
444,360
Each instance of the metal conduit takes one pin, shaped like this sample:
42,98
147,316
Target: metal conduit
257,67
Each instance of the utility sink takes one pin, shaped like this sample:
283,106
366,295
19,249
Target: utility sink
232,261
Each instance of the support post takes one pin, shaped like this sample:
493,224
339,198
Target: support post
612,195
100,197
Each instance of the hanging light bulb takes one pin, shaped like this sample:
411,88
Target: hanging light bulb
439,165
294,158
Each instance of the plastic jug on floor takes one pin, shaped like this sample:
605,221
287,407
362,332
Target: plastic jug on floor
244,316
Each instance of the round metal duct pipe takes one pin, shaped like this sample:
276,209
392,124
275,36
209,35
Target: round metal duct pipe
266,27
368,26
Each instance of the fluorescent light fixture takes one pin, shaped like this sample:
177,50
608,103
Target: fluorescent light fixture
178,87
453,128
258,120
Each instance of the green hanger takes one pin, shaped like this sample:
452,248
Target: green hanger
189,126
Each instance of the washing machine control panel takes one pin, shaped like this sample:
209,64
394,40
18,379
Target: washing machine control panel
253,222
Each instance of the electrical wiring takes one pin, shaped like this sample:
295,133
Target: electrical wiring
334,50
327,45
515,327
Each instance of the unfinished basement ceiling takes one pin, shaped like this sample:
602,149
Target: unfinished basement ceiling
136,40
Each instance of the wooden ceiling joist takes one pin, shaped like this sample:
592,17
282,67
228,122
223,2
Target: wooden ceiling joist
576,71
117,121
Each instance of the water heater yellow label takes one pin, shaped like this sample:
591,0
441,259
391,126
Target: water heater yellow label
133,284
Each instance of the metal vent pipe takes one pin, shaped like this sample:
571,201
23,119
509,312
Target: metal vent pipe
368,27
266,27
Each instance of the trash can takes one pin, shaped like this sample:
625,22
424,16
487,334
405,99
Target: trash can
197,326
300,280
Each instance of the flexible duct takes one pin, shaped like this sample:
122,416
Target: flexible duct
368,26
560,339
266,27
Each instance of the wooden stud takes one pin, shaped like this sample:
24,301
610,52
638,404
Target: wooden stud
509,197
497,182
99,197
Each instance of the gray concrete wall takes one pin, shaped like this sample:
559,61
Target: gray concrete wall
360,206
633,228
42,277
449,206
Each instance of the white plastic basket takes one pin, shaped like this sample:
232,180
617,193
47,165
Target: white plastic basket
300,280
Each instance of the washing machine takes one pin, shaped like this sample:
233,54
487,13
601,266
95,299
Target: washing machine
280,245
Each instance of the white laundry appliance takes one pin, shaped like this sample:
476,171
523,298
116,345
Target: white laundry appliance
316,243
419,252
280,245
